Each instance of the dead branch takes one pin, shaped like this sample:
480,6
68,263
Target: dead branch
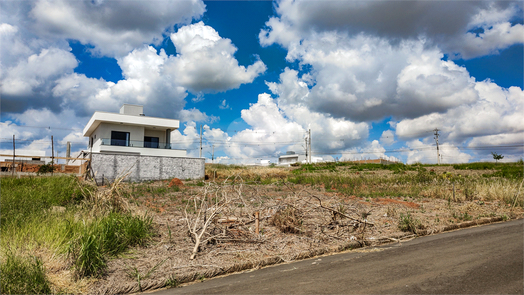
206,214
340,213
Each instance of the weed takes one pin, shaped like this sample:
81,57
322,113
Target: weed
169,232
392,212
408,223
201,278
172,282
110,235
22,275
23,198
46,168
133,273
462,216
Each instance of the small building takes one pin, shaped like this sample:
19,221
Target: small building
290,158
129,140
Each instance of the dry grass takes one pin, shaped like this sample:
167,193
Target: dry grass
288,219
500,189
103,200
221,172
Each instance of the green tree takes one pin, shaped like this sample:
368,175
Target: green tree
497,157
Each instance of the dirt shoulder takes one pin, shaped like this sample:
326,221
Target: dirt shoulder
297,221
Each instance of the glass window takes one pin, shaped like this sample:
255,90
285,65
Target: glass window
119,138
151,142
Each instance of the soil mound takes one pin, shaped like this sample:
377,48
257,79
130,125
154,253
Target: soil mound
175,181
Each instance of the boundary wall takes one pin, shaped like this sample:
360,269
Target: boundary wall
143,168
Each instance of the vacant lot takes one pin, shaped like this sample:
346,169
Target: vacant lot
302,211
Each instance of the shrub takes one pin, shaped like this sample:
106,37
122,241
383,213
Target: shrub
22,275
408,224
46,168
109,235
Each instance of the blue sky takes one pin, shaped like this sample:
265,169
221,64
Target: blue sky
370,79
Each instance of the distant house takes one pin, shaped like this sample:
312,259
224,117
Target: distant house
129,140
290,158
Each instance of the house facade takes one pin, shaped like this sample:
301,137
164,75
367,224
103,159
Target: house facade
131,132
129,140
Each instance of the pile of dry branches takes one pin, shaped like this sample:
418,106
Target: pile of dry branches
225,212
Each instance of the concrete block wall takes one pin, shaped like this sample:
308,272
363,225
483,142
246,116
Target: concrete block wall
142,168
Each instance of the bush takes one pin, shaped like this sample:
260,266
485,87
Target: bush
408,224
46,168
106,236
23,275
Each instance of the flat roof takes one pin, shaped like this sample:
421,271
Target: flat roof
115,118
289,156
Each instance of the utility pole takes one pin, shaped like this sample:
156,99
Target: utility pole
309,138
52,155
436,139
200,140
307,148
68,152
13,167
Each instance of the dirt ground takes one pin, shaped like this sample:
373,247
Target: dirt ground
295,222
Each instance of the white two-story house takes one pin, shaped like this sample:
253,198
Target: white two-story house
137,145
130,132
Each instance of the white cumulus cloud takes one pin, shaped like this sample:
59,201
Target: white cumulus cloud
205,61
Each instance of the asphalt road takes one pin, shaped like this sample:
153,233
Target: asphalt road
480,260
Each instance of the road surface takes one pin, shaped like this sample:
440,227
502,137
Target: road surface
480,260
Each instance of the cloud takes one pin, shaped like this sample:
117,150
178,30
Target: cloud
444,23
189,138
196,115
497,111
33,78
160,81
153,79
371,150
205,61
114,28
366,78
276,128
491,41
34,128
224,105
427,153
387,138
505,139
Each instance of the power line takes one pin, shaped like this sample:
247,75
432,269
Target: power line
40,127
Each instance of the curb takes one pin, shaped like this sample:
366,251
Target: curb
157,284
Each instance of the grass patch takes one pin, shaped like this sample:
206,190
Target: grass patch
25,197
54,214
107,236
503,170
22,275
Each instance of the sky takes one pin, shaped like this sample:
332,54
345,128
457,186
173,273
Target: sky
370,79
